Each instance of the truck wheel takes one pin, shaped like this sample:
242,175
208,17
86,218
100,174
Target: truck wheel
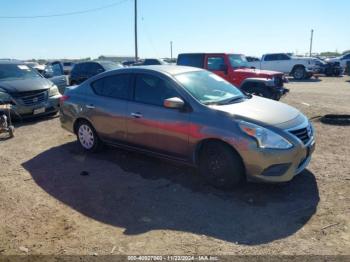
299,73
220,165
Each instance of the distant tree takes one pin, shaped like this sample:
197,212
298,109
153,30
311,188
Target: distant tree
330,54
346,52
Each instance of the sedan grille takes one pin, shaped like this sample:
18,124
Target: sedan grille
31,98
304,134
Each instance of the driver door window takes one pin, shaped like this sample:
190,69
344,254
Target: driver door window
150,124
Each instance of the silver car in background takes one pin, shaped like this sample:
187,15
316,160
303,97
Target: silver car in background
194,116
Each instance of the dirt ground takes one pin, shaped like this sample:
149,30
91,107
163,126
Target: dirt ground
128,203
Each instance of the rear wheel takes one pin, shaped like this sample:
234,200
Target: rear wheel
87,137
220,165
299,73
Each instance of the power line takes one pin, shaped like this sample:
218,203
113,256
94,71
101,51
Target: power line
66,14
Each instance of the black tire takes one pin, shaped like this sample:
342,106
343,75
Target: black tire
299,73
87,137
220,165
340,120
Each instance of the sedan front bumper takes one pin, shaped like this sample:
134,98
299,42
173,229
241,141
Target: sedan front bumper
49,106
276,166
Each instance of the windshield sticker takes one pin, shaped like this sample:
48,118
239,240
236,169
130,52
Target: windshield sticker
23,67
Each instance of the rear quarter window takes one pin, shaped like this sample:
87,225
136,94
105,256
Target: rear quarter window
195,60
115,86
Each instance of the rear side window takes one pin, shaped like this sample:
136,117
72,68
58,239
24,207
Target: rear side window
152,90
195,60
117,86
152,62
94,68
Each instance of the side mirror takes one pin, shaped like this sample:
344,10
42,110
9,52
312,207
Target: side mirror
174,103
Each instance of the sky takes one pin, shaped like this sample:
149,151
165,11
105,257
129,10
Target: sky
250,27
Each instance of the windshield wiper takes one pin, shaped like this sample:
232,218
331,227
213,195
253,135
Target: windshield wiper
230,101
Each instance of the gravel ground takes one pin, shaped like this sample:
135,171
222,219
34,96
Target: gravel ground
126,203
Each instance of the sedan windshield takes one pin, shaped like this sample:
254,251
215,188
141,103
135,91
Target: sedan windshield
111,65
238,61
16,71
209,88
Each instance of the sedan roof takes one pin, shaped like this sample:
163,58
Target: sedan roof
169,69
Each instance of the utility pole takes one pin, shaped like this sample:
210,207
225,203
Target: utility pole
171,50
312,37
136,48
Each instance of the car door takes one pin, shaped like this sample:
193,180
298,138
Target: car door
271,62
56,75
107,109
284,63
217,65
82,72
152,126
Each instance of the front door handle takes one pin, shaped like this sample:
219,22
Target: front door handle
136,115
90,106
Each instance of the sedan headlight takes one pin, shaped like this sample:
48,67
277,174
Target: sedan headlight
265,138
54,91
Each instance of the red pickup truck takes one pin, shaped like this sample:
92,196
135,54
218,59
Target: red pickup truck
234,68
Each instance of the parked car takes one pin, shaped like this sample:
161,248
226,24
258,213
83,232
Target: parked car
55,73
332,68
85,70
252,59
193,116
151,61
40,68
234,68
67,67
298,67
128,63
342,60
30,92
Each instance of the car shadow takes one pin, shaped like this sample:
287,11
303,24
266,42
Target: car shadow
19,122
140,194
311,80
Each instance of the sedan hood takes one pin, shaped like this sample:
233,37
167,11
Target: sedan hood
262,110
250,72
24,85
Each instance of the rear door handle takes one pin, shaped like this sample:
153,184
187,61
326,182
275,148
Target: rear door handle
90,106
136,115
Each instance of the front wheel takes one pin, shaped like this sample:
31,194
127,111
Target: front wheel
87,137
299,73
220,165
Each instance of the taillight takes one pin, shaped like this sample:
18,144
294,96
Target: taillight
63,99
